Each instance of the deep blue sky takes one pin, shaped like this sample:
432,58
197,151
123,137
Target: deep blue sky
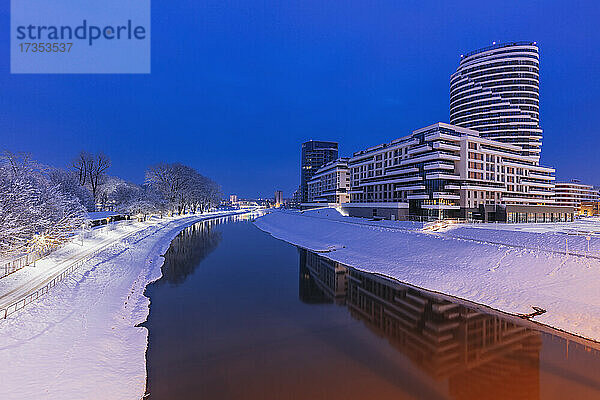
236,86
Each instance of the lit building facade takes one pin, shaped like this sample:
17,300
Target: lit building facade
315,154
590,208
330,184
483,166
495,91
574,194
445,171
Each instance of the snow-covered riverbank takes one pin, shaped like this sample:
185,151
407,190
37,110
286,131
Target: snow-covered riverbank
80,341
507,267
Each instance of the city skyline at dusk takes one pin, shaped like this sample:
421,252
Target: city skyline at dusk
254,82
299,200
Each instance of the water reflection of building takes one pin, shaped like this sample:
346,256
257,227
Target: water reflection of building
321,280
479,355
188,249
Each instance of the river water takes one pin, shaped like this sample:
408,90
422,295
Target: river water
241,315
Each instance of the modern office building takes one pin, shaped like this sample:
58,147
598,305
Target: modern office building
445,171
278,198
233,199
574,194
495,91
330,184
315,154
483,166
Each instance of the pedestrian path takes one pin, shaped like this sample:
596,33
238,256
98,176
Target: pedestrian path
27,284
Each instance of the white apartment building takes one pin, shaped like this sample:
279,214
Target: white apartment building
496,91
574,194
446,171
329,185
482,166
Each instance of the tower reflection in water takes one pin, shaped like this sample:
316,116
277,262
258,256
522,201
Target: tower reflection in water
479,355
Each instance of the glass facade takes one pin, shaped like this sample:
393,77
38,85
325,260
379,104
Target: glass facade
315,154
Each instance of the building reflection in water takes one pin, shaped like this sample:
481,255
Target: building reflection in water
479,355
321,280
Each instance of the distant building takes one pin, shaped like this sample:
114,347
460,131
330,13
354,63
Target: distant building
242,203
315,154
574,194
233,199
278,198
330,184
496,91
445,171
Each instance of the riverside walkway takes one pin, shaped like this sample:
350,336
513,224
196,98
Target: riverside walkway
28,284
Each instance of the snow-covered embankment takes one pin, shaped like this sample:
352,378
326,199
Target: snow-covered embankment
80,341
504,269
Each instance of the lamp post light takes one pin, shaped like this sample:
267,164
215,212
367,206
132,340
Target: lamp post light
39,242
83,229
588,238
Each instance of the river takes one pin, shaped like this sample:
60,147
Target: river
241,315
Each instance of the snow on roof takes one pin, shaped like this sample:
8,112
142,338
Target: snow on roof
94,215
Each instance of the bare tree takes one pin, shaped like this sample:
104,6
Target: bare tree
80,166
96,172
68,183
91,170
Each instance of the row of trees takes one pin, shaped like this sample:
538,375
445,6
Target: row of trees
183,187
38,202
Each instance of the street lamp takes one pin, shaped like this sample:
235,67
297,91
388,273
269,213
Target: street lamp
588,242
83,229
38,242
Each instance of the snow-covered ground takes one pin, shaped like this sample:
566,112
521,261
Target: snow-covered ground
507,267
80,341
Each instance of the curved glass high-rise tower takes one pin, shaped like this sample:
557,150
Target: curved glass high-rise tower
495,91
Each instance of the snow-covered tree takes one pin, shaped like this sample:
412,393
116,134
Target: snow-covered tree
183,187
203,193
129,198
34,211
105,195
68,183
